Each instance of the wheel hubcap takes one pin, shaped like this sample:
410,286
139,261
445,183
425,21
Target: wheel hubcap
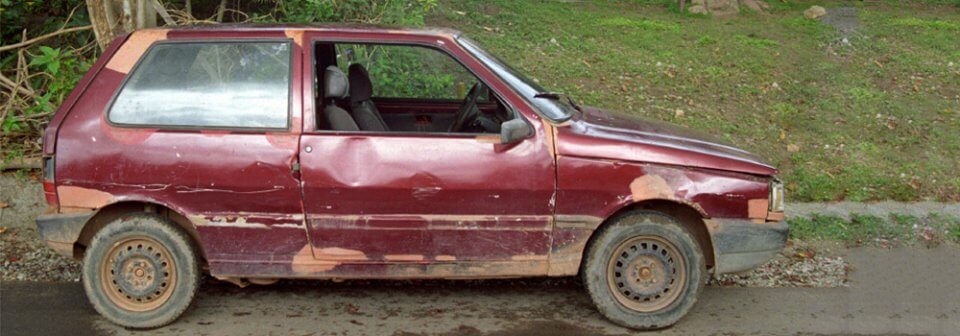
138,274
646,273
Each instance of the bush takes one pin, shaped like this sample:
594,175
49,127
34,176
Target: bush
391,12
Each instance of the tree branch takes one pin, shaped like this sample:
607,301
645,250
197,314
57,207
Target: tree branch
44,37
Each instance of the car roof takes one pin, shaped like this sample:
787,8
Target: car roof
337,27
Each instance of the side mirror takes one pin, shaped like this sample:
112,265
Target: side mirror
513,131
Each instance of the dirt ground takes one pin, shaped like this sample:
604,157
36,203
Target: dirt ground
900,291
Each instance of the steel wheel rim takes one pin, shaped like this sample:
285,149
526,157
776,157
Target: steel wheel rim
138,274
646,273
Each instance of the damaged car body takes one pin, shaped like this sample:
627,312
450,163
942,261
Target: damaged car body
257,153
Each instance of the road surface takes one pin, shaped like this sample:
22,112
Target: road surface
901,291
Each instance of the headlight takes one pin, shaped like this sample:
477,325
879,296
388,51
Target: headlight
776,195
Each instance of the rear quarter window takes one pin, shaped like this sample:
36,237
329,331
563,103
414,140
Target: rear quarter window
208,85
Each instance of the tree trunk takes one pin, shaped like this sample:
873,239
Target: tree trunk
111,18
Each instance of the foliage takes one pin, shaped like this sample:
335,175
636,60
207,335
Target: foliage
872,117
408,72
392,12
860,229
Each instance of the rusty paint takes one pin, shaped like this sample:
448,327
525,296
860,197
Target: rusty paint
404,257
493,139
336,253
77,197
527,257
263,281
775,216
380,211
649,187
138,42
296,35
304,262
571,234
550,132
234,280
757,208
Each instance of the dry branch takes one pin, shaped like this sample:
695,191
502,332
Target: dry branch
44,37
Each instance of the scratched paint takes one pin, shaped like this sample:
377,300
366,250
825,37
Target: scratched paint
397,206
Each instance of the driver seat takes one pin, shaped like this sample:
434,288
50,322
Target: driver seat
364,111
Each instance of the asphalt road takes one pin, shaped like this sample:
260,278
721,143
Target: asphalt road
911,291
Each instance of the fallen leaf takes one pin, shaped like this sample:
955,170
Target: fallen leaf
679,113
793,148
783,134
460,13
4,205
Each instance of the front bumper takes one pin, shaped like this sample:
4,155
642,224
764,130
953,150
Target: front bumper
61,231
740,244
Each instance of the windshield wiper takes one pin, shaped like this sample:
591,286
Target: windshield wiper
557,96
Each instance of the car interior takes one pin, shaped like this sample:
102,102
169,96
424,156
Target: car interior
401,88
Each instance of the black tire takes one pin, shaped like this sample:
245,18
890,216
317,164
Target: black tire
601,272
146,249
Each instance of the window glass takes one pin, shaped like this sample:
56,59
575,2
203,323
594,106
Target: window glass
398,71
235,84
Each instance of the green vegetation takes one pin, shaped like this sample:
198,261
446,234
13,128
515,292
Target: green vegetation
869,116
875,117
878,231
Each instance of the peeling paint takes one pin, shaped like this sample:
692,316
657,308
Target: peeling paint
492,139
776,216
527,257
134,48
77,197
445,258
304,262
337,253
296,35
404,257
757,208
650,187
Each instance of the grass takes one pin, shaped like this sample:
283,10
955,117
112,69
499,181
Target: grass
894,230
875,118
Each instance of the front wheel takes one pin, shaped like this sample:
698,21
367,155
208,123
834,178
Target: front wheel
141,271
644,270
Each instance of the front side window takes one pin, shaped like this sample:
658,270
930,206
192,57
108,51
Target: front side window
400,71
208,84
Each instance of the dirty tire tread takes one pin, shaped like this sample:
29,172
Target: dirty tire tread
182,249
594,268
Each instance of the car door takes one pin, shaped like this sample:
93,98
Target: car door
427,197
205,127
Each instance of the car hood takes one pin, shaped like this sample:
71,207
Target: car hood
616,136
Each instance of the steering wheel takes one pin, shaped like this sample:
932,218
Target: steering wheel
468,109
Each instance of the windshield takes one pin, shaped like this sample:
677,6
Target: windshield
551,108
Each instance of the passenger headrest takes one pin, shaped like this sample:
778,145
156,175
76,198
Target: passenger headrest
360,86
335,83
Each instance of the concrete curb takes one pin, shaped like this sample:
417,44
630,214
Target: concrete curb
879,209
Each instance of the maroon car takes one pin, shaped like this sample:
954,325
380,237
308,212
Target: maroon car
258,153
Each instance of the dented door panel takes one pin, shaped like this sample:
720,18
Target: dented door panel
426,199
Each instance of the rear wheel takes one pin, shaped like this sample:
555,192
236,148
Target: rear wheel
141,271
644,270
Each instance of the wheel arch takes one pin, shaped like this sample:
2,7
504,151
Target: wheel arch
689,215
109,213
